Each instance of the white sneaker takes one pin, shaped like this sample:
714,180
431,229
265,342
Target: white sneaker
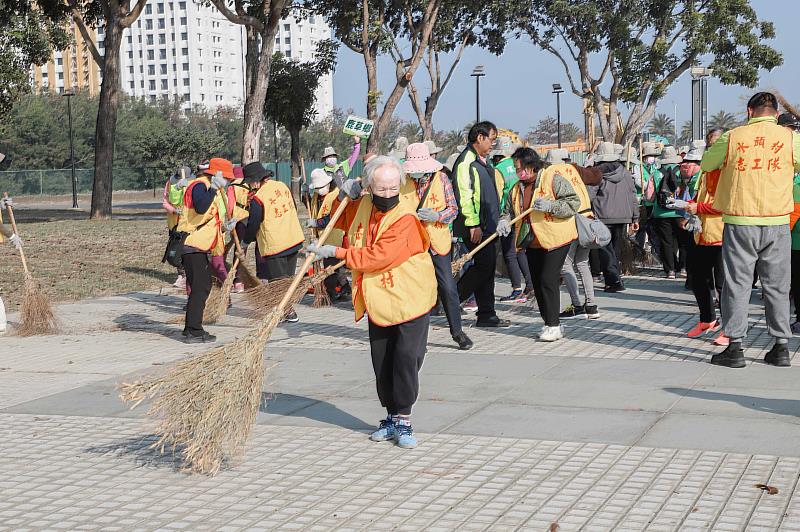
551,334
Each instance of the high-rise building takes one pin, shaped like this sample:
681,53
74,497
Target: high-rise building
70,69
185,50
297,38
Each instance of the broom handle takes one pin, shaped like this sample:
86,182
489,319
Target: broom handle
14,228
495,235
298,278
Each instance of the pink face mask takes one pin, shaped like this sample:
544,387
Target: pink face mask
524,175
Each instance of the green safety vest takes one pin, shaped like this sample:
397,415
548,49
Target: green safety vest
175,195
509,173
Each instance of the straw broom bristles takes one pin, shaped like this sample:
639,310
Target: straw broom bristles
36,314
206,406
267,300
219,299
786,105
321,296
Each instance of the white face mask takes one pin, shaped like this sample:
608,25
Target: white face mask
650,159
324,190
330,161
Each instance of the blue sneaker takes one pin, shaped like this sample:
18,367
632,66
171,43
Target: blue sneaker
405,436
386,430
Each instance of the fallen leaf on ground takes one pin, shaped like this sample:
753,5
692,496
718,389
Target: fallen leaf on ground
772,490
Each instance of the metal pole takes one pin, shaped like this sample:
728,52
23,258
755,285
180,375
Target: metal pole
558,116
477,99
275,141
72,154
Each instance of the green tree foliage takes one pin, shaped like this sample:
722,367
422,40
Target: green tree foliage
29,33
628,52
151,141
662,124
546,132
292,93
724,120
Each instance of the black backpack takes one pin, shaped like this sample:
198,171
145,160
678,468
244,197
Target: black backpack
173,254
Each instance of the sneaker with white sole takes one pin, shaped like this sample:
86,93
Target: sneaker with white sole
470,305
551,334
386,430
180,282
404,436
516,296
591,312
238,288
572,311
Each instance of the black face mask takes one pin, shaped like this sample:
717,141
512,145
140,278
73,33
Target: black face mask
385,204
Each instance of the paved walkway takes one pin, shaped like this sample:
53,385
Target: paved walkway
623,426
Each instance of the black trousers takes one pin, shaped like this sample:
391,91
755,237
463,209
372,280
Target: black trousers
447,290
546,271
479,280
272,268
796,282
609,255
336,279
198,276
672,243
397,355
516,262
705,268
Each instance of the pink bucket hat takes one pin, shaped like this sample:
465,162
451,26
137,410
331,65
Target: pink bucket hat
419,160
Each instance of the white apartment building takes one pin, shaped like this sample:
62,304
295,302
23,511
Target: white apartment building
298,39
185,49
178,48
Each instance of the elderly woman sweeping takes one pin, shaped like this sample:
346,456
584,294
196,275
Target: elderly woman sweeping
394,284
6,234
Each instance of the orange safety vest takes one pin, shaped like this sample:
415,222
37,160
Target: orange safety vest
712,224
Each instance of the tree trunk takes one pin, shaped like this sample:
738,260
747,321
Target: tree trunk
106,127
430,106
250,59
372,101
254,103
294,134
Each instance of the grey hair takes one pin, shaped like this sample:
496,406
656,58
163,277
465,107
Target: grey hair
379,161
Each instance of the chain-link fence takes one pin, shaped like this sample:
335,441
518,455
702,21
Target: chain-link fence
58,181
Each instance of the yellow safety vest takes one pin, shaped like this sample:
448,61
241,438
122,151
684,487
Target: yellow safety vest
439,233
711,224
403,293
203,229
552,232
280,229
241,198
756,179
336,237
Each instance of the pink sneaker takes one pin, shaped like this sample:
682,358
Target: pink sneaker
722,340
180,282
701,328
238,288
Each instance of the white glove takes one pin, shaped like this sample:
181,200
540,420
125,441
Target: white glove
15,241
678,204
229,225
178,211
322,252
182,183
428,215
504,227
311,223
6,202
218,182
693,225
352,188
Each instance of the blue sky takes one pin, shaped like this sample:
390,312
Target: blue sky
517,89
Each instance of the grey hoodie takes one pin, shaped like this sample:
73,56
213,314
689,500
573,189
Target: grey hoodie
615,198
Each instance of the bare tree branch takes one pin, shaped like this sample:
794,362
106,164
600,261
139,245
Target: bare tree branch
244,20
87,37
131,17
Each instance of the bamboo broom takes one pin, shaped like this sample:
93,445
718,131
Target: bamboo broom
36,314
321,296
206,405
458,264
786,105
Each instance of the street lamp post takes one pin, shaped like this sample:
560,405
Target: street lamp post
69,95
557,90
700,77
478,73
